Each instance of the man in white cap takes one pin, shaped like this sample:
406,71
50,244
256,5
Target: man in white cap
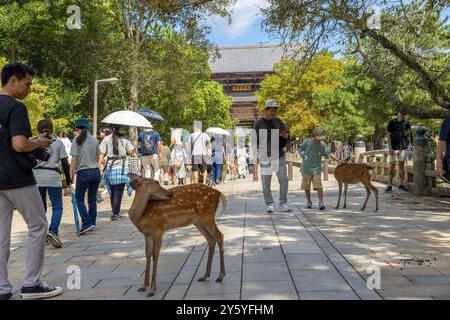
312,151
271,138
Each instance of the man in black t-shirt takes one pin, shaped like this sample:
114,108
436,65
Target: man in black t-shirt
272,136
17,184
397,136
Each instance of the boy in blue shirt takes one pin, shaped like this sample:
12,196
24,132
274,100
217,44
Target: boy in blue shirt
312,150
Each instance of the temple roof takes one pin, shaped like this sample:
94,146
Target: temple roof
243,59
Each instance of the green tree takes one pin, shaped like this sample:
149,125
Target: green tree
209,105
410,50
134,41
49,99
295,91
354,107
141,21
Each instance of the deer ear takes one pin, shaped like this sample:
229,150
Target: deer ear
134,177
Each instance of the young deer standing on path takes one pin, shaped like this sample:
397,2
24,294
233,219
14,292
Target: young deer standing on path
353,173
156,210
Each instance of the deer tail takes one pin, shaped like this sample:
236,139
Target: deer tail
371,171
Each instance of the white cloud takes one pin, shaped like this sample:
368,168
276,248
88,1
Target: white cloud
244,14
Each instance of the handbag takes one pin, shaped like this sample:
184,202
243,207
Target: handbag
177,164
135,165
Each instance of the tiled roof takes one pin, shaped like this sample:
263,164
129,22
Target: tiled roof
259,58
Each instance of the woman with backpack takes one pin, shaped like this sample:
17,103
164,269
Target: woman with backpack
114,149
85,152
48,179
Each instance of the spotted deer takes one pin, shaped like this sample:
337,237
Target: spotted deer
156,210
352,173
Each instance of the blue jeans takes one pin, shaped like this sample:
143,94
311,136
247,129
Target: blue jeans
217,171
87,180
55,195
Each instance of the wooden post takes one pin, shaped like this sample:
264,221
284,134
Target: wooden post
255,171
325,171
290,171
420,152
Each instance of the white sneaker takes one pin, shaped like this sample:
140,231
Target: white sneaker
270,209
285,208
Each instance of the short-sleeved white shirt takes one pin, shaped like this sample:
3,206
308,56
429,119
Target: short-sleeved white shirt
200,141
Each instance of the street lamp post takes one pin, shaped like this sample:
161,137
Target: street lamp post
110,80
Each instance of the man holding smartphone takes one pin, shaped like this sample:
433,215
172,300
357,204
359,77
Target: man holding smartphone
17,184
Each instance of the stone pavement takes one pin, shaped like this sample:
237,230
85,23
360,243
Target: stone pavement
307,254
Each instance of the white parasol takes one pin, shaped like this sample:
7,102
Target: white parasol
218,131
127,118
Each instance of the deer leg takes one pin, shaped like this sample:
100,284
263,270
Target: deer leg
345,195
148,258
219,238
157,240
211,246
377,200
367,198
340,193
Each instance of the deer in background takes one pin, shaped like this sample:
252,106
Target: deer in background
352,173
156,210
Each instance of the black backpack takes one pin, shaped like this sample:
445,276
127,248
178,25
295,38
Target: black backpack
148,145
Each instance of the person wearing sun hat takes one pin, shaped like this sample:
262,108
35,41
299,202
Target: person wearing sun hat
312,150
85,152
271,154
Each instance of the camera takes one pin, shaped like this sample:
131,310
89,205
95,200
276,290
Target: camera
40,155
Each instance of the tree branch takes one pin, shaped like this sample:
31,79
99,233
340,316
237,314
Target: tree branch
437,94
414,111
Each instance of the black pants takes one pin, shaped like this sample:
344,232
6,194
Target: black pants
116,197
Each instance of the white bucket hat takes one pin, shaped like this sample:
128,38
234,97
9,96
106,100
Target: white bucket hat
272,104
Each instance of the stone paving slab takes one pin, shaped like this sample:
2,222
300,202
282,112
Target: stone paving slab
269,290
329,295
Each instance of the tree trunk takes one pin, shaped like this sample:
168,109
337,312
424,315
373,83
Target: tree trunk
377,137
133,106
134,88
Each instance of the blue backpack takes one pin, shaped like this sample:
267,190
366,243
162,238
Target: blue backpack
148,144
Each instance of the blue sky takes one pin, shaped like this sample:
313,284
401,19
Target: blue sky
245,26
